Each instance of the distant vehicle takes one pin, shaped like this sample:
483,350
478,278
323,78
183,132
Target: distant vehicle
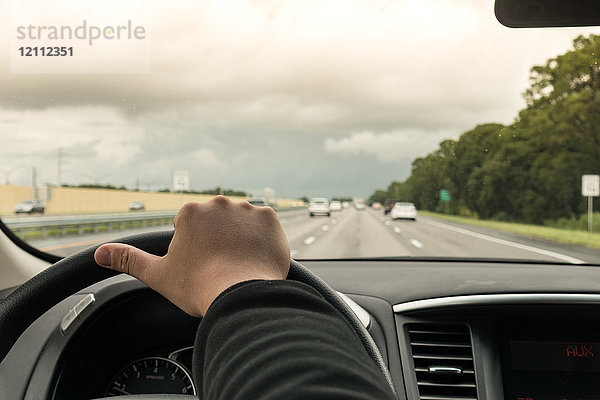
389,204
376,206
335,205
319,206
404,211
259,202
30,207
359,206
346,204
137,206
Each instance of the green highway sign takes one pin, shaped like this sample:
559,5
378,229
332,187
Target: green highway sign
445,195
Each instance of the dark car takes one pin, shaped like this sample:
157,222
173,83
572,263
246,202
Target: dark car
259,202
30,207
388,206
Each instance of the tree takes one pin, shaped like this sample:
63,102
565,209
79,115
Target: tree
530,170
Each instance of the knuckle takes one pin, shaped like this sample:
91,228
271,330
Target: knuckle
188,208
185,212
268,212
221,200
127,262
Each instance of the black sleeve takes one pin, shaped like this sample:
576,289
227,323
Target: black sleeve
281,340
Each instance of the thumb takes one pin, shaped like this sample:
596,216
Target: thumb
126,259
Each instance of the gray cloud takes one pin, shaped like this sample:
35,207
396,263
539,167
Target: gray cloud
306,97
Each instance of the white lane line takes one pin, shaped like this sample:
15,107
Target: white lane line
397,230
325,228
416,243
508,243
388,223
309,240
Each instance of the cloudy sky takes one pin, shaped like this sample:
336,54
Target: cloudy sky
307,97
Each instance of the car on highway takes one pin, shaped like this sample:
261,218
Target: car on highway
137,206
30,207
319,206
404,210
335,205
485,129
359,206
259,202
389,204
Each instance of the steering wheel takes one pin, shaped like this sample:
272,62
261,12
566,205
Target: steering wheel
78,271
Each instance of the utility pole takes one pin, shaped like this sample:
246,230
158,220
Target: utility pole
59,167
34,183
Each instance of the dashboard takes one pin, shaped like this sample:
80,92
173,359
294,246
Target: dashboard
446,329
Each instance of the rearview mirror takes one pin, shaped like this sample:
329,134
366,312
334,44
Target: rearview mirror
547,13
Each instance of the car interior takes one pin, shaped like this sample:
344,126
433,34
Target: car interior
438,328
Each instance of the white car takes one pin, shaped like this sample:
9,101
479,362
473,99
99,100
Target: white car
335,205
137,206
404,211
319,206
359,206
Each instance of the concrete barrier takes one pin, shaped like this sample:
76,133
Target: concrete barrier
65,201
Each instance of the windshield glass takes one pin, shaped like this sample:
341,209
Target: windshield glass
113,117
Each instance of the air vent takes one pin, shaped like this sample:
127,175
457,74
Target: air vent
443,361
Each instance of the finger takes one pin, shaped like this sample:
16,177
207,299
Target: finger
126,259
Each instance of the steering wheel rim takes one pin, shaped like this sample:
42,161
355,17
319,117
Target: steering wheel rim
78,271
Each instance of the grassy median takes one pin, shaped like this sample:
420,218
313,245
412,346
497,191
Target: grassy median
543,232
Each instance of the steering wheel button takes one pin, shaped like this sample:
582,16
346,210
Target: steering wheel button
68,320
83,304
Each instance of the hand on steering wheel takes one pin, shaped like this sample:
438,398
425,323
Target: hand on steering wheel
215,245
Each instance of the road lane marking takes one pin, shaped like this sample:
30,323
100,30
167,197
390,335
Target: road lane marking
416,243
388,223
325,228
397,230
559,256
309,240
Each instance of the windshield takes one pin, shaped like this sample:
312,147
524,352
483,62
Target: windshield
112,118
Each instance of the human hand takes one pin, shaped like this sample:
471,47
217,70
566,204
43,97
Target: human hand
216,244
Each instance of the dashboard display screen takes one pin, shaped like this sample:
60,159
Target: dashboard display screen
552,370
555,356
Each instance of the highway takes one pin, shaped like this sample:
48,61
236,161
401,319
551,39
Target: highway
356,234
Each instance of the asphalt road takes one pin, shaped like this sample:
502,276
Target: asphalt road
355,234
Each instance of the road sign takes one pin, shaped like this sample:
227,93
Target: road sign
445,195
590,185
181,181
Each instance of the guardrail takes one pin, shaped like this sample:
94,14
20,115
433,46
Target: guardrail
43,226
80,224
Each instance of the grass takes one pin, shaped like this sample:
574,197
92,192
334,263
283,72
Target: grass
543,232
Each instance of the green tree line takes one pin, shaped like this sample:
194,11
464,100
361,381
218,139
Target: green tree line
527,171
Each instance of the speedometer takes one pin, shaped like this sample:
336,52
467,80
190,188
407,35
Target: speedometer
152,375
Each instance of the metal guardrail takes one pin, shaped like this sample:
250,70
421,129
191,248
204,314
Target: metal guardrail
79,224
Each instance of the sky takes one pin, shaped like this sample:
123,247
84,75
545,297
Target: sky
316,98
